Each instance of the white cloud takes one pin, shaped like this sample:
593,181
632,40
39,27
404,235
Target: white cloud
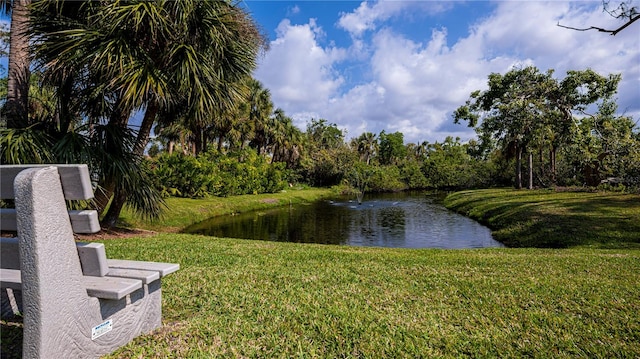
367,15
293,10
370,14
413,85
299,72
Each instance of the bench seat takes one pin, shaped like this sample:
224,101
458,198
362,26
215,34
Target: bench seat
110,287
145,276
95,267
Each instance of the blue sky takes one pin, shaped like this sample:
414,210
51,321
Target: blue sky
407,65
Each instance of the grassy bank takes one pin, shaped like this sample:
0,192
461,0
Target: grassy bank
552,219
182,212
238,298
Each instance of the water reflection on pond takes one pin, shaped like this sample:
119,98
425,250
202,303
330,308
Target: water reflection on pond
400,220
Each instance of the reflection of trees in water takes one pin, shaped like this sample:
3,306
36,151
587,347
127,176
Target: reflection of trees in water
380,224
392,217
387,222
311,224
365,220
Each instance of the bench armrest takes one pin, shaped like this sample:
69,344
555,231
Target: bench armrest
110,287
162,268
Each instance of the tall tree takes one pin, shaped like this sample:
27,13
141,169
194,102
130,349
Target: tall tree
391,147
571,95
605,146
510,111
259,108
525,107
16,106
325,135
367,145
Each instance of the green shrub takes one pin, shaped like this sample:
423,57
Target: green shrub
185,176
385,179
217,174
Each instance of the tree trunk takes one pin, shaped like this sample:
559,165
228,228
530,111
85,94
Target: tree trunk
119,117
220,142
198,132
103,194
552,164
111,218
64,116
205,143
17,105
120,194
518,183
541,160
530,185
145,128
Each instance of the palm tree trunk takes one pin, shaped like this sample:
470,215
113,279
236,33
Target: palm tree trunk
145,128
111,218
120,194
103,194
220,142
119,117
552,164
17,103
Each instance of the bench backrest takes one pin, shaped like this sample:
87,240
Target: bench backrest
76,185
93,257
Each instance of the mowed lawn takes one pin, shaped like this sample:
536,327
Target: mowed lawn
235,298
554,219
239,298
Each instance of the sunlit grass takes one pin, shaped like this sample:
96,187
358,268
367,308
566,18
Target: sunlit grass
182,212
240,298
547,218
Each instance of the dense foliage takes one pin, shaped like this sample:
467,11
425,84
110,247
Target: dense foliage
184,67
217,174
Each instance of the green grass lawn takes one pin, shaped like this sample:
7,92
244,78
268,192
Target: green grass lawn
239,298
183,212
551,219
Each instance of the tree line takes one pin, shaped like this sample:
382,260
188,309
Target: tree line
184,69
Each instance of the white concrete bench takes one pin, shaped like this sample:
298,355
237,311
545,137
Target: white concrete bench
75,302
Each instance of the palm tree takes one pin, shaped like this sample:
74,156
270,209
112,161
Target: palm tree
367,146
260,108
15,110
152,56
286,139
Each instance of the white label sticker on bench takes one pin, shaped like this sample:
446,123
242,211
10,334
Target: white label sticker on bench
101,329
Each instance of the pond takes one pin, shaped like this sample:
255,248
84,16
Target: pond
400,220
